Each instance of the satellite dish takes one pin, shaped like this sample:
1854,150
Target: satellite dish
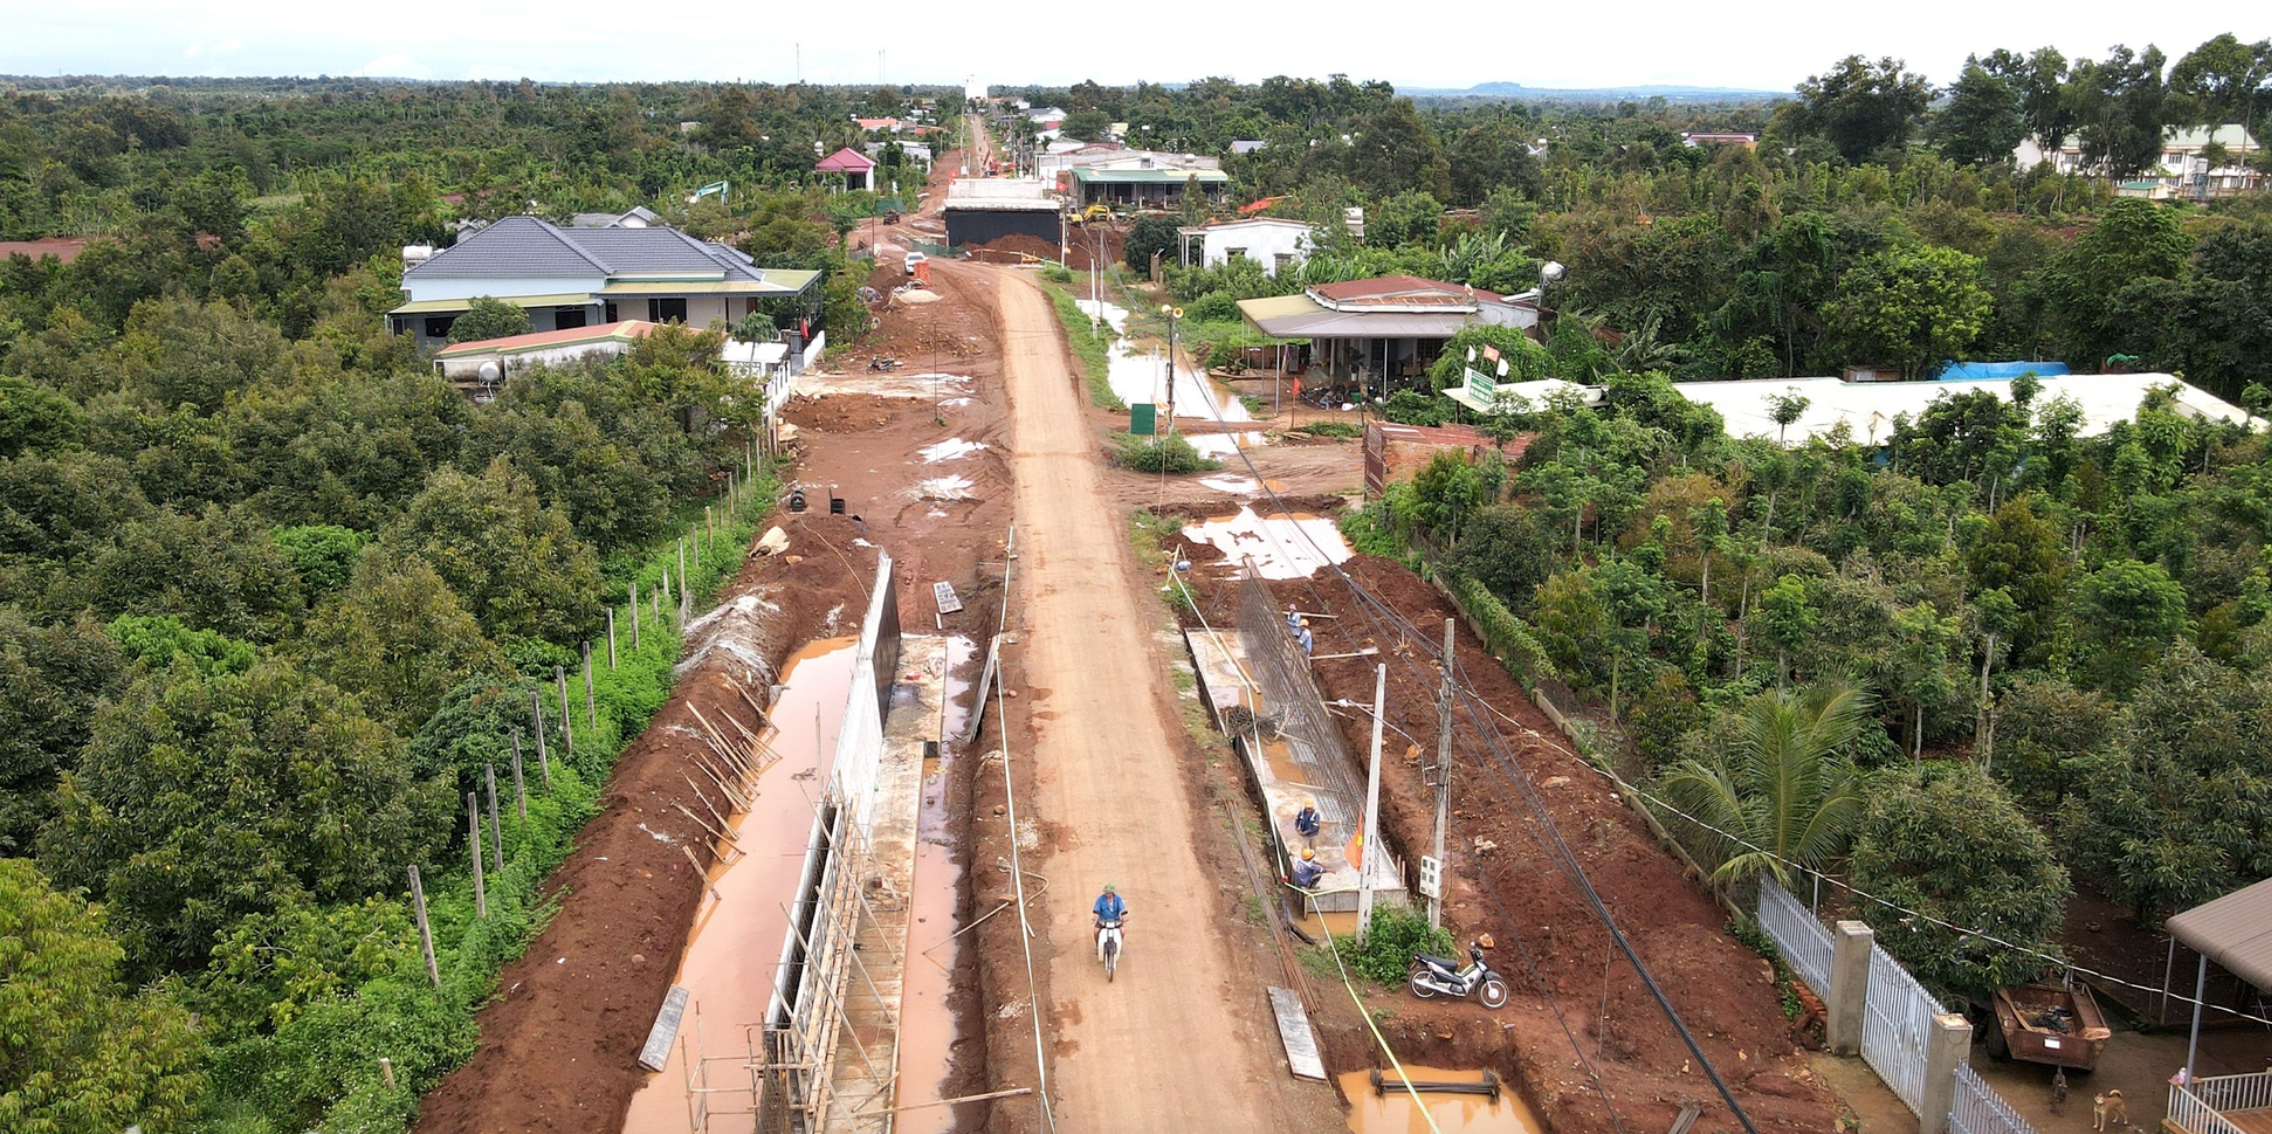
1550,272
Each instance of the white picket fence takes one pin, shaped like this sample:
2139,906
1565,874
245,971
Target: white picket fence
1978,1109
1803,941
1897,1019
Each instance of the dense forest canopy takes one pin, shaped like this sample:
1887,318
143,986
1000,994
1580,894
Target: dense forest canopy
271,593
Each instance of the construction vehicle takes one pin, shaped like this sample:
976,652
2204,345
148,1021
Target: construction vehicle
2049,1023
1093,213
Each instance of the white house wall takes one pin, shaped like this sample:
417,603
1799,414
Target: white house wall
1263,244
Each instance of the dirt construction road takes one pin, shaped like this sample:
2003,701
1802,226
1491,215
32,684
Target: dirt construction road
1172,1045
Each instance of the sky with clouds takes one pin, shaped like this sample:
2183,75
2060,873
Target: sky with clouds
1767,44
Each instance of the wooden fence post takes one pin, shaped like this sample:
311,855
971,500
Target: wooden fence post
567,731
520,790
634,614
543,763
496,829
473,839
611,637
425,928
591,704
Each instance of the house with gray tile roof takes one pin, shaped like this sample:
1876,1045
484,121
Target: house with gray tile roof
576,277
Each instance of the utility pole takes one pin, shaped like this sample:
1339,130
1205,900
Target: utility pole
1372,833
1443,779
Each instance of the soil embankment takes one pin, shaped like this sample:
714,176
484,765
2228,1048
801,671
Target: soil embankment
559,1045
1576,1002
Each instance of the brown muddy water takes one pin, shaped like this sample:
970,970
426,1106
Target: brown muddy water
728,966
927,1029
1393,1111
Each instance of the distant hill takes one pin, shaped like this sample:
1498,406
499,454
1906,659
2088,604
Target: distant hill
1519,92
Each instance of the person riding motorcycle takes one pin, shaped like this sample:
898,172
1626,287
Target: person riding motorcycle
1109,908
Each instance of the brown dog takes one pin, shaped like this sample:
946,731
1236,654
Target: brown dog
2059,1091
2109,1110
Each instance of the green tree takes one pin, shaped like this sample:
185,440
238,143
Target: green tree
1785,620
1150,235
2133,240
1922,669
2178,809
1912,305
2126,613
79,1054
1943,840
323,554
155,643
1776,782
52,678
1982,121
2121,107
489,318
517,564
1861,108
398,638
34,419
201,799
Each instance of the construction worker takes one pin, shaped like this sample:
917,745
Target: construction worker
1302,636
1307,823
1293,619
1307,872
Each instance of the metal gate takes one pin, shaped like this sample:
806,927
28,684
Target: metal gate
1978,1109
1897,1019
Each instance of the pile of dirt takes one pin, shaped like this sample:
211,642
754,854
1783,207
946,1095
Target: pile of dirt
1012,249
559,1045
1556,955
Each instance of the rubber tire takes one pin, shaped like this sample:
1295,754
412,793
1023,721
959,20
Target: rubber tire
1111,962
1492,993
1998,1050
1420,987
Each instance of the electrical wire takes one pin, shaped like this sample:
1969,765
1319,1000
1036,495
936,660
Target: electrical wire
1017,868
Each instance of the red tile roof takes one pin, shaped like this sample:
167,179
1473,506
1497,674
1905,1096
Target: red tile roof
846,160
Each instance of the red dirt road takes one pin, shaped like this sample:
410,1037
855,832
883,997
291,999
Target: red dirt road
1176,1044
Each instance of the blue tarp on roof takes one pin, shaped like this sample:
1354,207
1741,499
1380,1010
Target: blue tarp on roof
1973,371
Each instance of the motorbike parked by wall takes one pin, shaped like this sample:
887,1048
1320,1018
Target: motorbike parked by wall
1444,976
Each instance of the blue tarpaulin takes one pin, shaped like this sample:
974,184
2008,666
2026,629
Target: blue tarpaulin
1972,371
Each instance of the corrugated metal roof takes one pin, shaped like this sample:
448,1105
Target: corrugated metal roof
2235,931
516,247
442,306
846,160
1300,317
1149,176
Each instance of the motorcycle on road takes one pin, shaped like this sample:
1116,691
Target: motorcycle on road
1443,976
1108,944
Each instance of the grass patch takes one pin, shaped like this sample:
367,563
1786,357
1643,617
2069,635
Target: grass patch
1094,350
1385,952
1164,453
1336,429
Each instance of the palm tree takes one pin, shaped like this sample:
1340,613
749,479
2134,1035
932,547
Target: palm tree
1784,786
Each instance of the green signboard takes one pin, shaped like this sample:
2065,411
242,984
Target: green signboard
1140,420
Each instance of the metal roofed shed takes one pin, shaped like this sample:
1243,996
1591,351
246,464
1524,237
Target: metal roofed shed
2236,932
980,210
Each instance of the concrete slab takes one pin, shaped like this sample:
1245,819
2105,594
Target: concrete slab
1294,1031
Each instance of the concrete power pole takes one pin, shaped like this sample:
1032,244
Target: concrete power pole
1443,779
1372,832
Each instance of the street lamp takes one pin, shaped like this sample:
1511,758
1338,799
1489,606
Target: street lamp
1173,313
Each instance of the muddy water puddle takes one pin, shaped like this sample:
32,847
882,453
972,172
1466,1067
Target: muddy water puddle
1394,1112
728,966
1140,375
1283,546
927,1025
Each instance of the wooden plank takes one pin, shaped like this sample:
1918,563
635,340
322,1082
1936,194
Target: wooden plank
1294,1030
943,592
657,1053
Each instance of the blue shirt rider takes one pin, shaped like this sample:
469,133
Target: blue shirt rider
1109,907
